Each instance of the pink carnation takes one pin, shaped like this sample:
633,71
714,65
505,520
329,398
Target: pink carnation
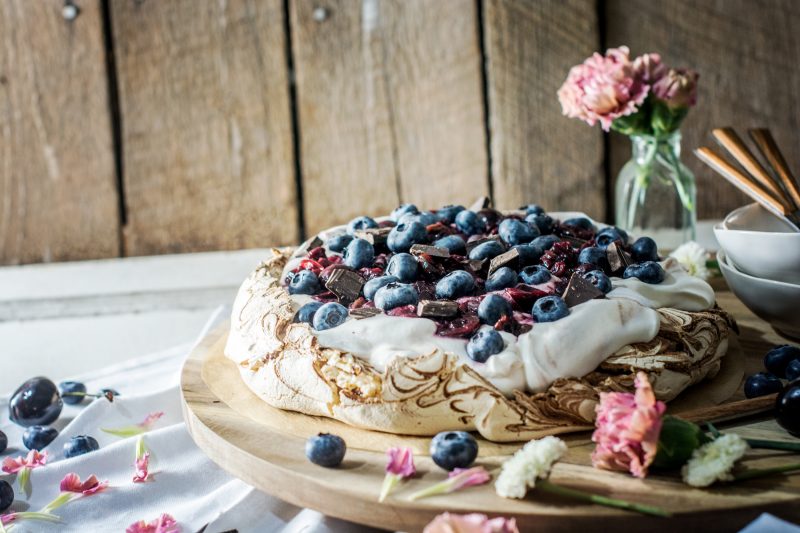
649,68
628,426
34,459
470,523
72,483
678,87
603,88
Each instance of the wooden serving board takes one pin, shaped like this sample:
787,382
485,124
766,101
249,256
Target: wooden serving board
265,447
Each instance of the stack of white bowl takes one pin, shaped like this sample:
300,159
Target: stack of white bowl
760,259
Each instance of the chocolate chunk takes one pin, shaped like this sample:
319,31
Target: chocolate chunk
477,242
433,251
509,259
481,203
618,258
374,235
364,312
580,290
345,284
316,242
474,265
437,308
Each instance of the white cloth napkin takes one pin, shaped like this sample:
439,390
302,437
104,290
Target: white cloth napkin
185,483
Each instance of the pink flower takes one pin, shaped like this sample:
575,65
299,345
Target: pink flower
142,462
72,483
627,429
150,419
401,462
163,524
33,460
470,523
678,87
136,429
648,68
459,478
603,88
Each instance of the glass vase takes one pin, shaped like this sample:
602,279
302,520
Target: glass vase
655,193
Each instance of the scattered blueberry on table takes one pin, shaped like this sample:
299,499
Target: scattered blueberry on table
778,359
72,392
326,449
3,442
38,437
787,409
6,495
761,384
36,402
453,449
80,445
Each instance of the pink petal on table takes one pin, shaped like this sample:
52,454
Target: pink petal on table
401,462
142,465
150,419
72,483
33,460
163,524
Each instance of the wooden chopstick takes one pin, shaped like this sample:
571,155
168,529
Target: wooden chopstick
731,141
769,149
740,181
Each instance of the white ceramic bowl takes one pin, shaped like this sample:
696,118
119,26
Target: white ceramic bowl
774,301
760,244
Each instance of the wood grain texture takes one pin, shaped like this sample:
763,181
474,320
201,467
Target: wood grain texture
206,126
58,198
390,105
538,155
746,52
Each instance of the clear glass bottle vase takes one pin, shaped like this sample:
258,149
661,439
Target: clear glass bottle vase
655,193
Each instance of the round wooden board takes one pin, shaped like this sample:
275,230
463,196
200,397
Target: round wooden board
265,448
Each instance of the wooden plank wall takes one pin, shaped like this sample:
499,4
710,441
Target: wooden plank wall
145,127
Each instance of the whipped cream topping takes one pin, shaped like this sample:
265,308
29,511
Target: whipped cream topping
679,290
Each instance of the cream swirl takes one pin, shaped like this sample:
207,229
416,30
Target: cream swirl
679,290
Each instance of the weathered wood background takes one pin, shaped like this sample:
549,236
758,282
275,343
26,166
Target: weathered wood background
156,126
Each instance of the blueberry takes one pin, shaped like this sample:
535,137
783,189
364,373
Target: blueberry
644,249
80,445
515,231
447,214
545,242
599,280
35,403
469,223
403,209
326,450
304,282
403,236
532,209
549,309
761,384
535,275
528,253
486,250
492,308
453,243
453,449
455,285
372,286
580,222
3,442
306,312
787,409
544,223
6,495
396,295
338,243
329,316
72,392
778,358
484,344
608,235
792,373
502,278
359,254
403,267
38,437
593,255
648,272
426,219
360,223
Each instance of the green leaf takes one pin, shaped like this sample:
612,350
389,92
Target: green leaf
677,441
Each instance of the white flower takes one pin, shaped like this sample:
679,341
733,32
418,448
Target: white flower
533,461
714,461
693,258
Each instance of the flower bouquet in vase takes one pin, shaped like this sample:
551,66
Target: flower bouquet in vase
647,101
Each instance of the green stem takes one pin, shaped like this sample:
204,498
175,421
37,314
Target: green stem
676,164
389,483
761,443
559,490
763,472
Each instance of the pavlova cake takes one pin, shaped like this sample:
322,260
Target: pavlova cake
508,323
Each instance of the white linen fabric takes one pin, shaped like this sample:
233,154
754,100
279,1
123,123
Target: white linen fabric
184,482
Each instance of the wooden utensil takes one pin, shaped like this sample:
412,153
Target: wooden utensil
746,185
730,140
769,149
